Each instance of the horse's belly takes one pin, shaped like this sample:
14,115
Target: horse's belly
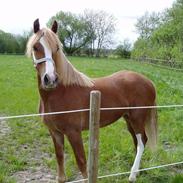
108,117
79,121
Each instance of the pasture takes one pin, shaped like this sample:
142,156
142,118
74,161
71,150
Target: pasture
25,144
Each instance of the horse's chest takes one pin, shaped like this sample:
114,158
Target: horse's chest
63,122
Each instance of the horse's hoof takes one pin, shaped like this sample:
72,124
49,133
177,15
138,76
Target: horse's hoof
61,179
132,179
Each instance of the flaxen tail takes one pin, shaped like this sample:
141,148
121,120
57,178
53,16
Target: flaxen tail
151,129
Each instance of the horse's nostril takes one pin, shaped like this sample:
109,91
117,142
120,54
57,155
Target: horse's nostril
46,79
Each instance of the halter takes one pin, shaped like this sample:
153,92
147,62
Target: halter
41,60
44,59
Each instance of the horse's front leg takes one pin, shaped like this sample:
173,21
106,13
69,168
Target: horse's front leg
76,142
58,140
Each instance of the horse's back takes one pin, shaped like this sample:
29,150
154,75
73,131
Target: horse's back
129,86
138,86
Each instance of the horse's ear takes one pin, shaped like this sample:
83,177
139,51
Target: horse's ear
36,26
54,27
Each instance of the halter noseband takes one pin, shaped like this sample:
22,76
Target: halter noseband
41,60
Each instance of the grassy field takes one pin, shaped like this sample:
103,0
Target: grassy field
25,144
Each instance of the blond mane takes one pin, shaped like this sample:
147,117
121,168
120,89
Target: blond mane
68,75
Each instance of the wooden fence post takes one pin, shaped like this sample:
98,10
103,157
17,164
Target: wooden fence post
95,101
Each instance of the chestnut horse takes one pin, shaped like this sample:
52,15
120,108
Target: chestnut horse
62,87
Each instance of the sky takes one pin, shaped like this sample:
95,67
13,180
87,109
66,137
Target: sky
17,16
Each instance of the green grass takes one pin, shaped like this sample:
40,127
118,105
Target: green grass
29,138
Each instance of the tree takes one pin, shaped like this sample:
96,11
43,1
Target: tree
147,24
124,49
8,43
100,27
72,31
22,41
162,35
91,31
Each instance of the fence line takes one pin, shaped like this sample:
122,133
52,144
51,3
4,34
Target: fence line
86,110
167,64
43,114
164,67
161,60
128,172
107,109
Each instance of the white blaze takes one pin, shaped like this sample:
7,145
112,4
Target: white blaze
49,64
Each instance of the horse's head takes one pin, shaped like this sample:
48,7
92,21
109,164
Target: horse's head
43,47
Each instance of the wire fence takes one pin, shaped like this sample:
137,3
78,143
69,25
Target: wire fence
106,109
128,172
87,110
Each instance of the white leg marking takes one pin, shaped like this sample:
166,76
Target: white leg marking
136,164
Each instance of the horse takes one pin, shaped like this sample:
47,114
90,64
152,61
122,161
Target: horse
62,87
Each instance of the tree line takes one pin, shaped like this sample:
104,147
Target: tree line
14,44
90,33
161,34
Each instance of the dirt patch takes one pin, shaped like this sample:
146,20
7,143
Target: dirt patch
167,146
4,128
38,175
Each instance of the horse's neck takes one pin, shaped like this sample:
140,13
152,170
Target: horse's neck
69,75
49,98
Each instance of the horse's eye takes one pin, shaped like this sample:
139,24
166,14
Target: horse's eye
35,48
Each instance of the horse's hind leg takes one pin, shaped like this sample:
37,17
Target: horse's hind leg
138,126
136,164
130,129
76,142
58,140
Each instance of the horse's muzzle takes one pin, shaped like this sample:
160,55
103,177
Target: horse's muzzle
49,82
